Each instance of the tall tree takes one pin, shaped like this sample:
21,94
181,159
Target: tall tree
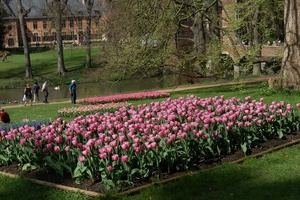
22,12
89,6
55,9
290,69
59,6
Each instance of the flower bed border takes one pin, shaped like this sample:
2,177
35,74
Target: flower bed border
137,189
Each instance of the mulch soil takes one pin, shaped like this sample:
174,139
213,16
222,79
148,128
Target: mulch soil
97,187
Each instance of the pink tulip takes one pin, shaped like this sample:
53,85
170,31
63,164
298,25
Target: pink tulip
49,146
67,148
81,159
109,168
23,142
115,157
124,158
56,149
103,155
85,152
109,149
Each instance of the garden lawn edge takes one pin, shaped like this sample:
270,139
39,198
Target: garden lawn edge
54,185
137,189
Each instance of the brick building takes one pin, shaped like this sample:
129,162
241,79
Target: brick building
40,27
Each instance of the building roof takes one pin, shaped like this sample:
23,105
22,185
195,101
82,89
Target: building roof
75,8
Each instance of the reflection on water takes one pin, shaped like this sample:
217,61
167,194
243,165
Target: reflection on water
89,89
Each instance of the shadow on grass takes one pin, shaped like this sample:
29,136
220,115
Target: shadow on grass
232,181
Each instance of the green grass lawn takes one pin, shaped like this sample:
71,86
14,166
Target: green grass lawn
273,176
44,66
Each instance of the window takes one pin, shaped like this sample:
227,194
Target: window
97,23
240,13
80,23
73,35
63,35
71,23
53,35
9,26
36,37
46,38
63,23
44,24
35,25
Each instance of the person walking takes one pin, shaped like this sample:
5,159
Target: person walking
28,94
4,116
36,89
45,91
72,90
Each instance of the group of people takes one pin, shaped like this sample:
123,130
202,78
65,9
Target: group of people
33,92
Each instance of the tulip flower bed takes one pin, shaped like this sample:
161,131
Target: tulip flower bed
91,109
125,97
138,143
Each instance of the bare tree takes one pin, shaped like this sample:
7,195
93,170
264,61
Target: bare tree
22,12
290,70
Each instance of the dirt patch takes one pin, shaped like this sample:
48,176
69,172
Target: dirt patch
97,187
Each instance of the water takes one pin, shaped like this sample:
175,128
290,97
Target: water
88,89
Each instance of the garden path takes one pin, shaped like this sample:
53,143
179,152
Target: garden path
180,88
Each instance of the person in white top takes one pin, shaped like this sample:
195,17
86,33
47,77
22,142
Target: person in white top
45,91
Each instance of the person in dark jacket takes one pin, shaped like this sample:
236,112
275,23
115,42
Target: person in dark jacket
4,116
28,94
36,89
72,90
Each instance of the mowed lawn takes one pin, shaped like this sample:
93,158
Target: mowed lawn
43,65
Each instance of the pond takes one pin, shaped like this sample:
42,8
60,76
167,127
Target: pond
88,89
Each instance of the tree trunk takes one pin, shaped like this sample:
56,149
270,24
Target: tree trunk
199,43
89,6
22,13
290,69
60,49
257,43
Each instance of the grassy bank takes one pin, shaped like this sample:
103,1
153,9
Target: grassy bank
44,67
255,90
